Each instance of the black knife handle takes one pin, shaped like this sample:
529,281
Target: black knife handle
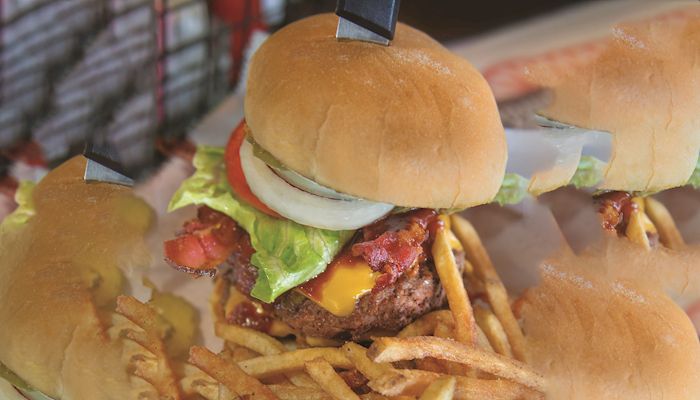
379,16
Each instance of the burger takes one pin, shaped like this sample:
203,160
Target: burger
319,214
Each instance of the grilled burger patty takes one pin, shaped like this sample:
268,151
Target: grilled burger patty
390,308
409,287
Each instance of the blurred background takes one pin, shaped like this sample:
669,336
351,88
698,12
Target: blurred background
139,74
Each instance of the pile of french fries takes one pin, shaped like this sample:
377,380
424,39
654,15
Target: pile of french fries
473,350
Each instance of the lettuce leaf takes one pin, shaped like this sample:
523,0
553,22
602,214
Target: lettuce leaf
694,180
513,189
287,254
588,173
25,209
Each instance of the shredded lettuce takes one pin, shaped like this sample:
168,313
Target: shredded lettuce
588,173
513,189
694,180
287,254
25,209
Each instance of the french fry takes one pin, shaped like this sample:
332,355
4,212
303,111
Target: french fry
439,366
229,374
465,326
322,342
268,366
636,227
142,328
239,353
424,325
415,382
377,396
289,392
443,329
249,338
495,291
196,382
358,357
669,235
441,389
493,330
387,349
325,376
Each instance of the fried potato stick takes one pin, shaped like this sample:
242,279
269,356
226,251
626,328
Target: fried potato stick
269,366
230,375
451,279
669,235
495,291
441,389
325,376
388,349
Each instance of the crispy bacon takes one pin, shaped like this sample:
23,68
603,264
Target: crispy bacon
204,243
615,209
393,244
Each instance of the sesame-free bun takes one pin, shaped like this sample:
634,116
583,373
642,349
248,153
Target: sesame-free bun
409,124
596,331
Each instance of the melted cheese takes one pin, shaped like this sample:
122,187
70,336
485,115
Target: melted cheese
339,287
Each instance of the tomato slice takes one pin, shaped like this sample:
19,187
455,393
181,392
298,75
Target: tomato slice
235,175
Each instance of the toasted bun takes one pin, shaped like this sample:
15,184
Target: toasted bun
598,337
409,124
643,89
58,283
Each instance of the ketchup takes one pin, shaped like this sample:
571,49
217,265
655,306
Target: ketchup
245,314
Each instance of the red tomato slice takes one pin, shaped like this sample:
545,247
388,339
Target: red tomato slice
235,175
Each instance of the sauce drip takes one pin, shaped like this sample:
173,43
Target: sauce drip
245,314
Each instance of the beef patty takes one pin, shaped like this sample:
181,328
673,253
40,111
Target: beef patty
398,247
415,293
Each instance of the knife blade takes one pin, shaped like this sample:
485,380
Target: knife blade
103,166
371,21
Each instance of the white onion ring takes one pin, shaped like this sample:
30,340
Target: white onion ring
303,207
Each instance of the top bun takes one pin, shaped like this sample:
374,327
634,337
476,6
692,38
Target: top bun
410,124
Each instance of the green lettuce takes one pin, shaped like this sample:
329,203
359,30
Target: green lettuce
287,254
588,173
25,209
694,180
513,189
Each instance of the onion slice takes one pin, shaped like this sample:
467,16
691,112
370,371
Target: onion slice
310,186
303,207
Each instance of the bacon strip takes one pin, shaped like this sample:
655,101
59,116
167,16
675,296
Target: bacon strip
615,209
393,244
204,243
